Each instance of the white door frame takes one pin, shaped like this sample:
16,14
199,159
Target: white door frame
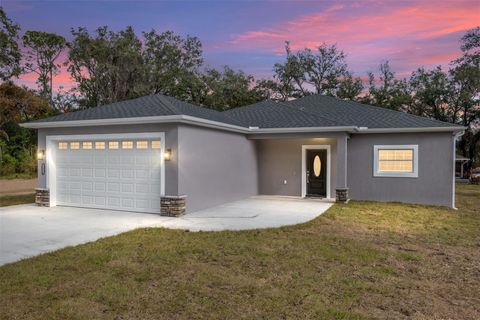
51,151
304,166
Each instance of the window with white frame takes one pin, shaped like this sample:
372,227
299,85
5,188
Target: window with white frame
395,161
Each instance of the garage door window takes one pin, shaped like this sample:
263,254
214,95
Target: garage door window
87,145
63,145
155,144
142,144
100,145
74,145
127,144
113,145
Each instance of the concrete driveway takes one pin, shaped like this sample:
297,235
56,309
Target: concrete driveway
28,230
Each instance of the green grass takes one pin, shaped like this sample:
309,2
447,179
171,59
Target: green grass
11,200
364,260
19,176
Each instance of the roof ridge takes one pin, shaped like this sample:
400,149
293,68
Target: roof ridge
163,98
309,113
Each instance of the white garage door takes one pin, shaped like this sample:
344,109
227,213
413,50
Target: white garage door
109,174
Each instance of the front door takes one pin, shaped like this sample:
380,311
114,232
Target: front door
316,173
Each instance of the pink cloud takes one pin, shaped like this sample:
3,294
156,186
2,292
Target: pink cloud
392,31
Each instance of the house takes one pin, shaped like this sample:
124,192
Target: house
156,153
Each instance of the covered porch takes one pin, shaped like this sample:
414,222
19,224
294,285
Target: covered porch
307,165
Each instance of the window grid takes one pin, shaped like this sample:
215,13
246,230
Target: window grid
63,145
113,145
127,144
396,161
142,144
100,145
74,145
87,145
155,144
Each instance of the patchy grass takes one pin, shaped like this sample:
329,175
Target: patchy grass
16,199
358,261
18,176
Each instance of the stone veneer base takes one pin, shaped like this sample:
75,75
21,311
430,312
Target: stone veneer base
173,206
341,195
42,197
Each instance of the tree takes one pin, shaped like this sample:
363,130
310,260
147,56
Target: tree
43,49
107,67
349,88
391,93
465,83
10,55
431,94
324,68
291,75
172,64
227,89
17,144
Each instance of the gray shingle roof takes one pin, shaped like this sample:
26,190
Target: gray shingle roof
310,111
271,114
349,113
148,106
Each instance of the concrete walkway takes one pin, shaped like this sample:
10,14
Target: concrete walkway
28,230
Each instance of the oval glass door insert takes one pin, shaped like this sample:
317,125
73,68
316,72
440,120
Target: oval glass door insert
317,166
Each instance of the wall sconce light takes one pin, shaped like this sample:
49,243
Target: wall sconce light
167,155
41,154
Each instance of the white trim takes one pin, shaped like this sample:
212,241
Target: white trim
455,138
377,173
225,126
304,167
136,120
51,183
406,130
303,129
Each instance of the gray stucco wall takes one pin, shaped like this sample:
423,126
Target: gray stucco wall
435,169
281,159
215,167
171,141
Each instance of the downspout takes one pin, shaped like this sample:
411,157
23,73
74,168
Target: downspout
456,136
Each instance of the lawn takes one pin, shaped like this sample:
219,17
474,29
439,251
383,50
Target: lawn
11,200
363,260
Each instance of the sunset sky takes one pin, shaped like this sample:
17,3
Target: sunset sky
250,35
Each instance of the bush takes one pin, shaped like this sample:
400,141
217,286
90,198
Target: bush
8,165
26,163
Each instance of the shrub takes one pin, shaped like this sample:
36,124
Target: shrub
8,165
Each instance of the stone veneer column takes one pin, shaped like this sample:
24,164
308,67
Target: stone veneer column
42,197
172,206
341,195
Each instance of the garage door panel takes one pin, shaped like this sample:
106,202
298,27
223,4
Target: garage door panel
113,187
142,174
100,172
87,199
127,187
87,172
127,174
120,179
113,173
87,186
100,160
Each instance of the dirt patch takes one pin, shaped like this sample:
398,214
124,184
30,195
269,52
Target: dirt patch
17,186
